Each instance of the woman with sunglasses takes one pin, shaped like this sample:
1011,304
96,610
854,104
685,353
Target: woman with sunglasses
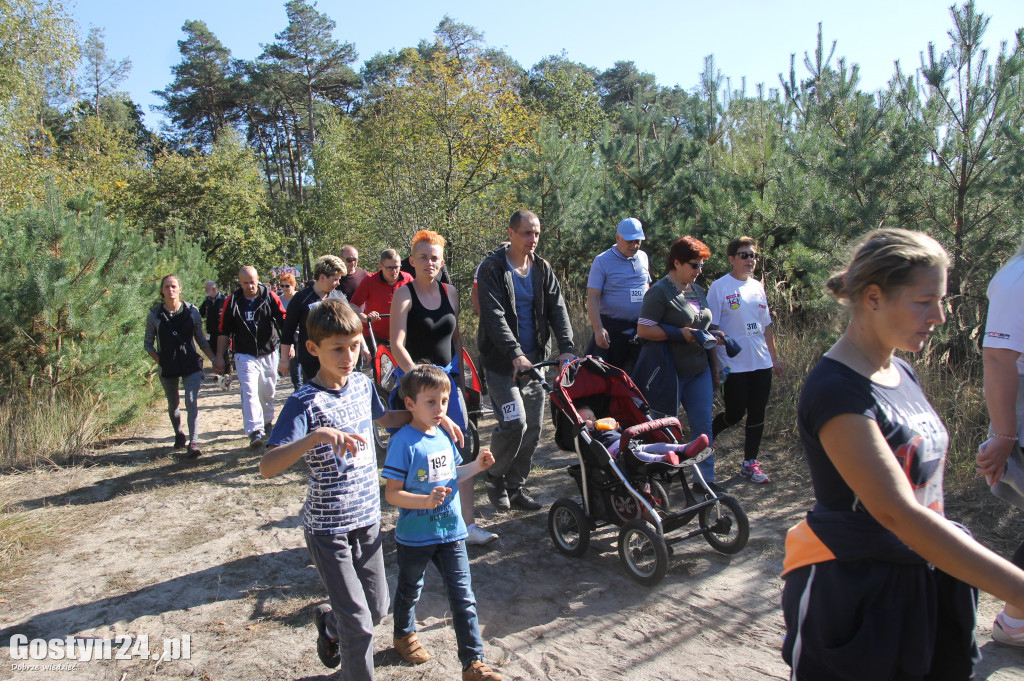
740,309
288,288
673,366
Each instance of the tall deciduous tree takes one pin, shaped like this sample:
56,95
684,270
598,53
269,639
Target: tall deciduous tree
38,48
567,92
437,132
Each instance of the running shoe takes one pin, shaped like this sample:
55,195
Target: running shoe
497,495
521,499
479,536
179,440
193,451
751,470
327,648
256,439
1005,634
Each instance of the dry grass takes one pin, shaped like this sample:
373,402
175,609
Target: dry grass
35,430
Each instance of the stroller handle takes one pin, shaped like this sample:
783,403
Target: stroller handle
534,371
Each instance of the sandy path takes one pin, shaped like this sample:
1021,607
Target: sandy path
138,542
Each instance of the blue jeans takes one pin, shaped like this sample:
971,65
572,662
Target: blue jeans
452,562
697,395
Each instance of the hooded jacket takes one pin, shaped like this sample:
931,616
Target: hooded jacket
498,336
268,315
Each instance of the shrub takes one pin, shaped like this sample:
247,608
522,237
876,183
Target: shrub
72,316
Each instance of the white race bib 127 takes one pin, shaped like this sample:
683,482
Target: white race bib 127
510,411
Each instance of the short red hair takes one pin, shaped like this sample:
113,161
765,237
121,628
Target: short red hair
288,278
686,247
431,237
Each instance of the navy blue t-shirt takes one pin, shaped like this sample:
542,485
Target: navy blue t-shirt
914,431
344,489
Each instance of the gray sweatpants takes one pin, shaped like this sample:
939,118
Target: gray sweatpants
519,410
191,385
351,567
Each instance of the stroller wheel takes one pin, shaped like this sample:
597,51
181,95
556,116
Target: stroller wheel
725,525
569,527
643,552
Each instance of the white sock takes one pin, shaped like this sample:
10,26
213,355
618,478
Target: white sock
1012,622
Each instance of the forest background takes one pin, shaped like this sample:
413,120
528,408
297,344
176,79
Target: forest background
287,156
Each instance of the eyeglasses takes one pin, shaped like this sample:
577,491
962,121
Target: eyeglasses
391,268
696,265
351,259
746,255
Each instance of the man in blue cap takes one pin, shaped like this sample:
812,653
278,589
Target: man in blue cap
618,280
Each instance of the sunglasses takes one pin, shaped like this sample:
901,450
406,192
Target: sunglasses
746,255
391,268
696,265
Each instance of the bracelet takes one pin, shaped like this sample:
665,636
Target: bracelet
1005,437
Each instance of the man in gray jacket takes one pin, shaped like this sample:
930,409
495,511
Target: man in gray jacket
521,307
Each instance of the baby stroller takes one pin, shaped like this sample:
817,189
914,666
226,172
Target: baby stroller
625,491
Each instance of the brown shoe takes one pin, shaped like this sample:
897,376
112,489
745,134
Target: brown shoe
478,671
410,649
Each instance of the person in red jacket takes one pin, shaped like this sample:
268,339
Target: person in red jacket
374,293
252,318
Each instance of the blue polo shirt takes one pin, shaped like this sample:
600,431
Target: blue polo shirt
622,282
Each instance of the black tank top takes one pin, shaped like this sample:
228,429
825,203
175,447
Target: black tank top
428,333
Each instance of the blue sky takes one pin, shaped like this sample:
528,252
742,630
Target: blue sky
752,38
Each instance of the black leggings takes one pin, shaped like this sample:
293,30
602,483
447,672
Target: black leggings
745,393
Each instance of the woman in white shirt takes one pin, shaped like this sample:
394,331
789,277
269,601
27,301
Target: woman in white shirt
740,309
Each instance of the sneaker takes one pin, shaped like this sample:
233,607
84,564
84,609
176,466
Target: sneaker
411,650
478,671
179,440
326,648
752,471
1006,635
256,439
479,536
521,499
193,451
497,495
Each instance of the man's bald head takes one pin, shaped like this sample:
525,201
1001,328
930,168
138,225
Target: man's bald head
249,281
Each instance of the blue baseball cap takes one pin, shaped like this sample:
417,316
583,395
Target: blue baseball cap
631,229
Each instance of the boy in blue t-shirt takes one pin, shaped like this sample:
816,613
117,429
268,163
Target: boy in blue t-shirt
327,422
421,474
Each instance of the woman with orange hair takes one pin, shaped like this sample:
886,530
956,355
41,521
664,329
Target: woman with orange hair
425,329
674,323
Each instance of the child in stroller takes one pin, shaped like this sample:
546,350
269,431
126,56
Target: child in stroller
606,431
